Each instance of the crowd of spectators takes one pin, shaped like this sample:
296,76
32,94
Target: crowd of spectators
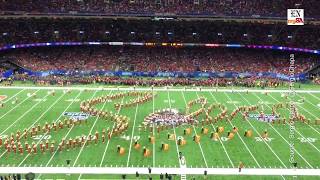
139,81
165,59
2,70
275,8
316,80
28,30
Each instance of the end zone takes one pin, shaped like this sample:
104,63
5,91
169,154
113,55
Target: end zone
3,97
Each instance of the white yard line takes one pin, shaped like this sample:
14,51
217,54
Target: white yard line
105,150
70,129
159,89
282,136
174,131
64,136
134,124
17,105
190,171
224,148
153,134
47,132
310,113
87,135
49,108
240,138
13,96
297,130
204,159
260,136
20,117
314,96
259,133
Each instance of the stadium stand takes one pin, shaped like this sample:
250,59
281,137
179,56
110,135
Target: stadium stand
29,30
257,8
156,59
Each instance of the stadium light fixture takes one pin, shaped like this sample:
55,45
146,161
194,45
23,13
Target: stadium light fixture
81,32
56,32
170,33
157,33
245,35
219,34
289,37
4,34
107,32
132,32
269,35
194,34
36,32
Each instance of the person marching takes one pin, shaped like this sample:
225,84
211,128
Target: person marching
241,165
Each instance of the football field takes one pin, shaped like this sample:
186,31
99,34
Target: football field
219,143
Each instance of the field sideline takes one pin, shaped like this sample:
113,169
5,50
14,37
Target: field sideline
255,152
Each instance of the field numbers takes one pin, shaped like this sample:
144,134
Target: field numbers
308,139
260,139
44,137
125,137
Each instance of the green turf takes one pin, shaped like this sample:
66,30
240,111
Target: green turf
207,153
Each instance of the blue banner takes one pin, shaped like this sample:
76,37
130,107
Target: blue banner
299,77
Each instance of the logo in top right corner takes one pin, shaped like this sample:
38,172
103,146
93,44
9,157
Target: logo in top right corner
295,17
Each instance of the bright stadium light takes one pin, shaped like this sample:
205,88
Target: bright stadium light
132,32
269,36
194,34
81,32
245,35
4,34
219,34
107,32
36,32
289,37
170,33
56,32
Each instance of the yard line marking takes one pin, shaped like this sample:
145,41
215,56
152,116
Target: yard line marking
134,123
26,112
105,150
240,137
70,129
38,118
225,150
88,133
65,135
314,96
296,129
47,132
13,96
153,134
17,105
205,161
174,130
283,137
309,113
209,89
260,135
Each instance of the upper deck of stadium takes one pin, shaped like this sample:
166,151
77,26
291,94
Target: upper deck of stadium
218,8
